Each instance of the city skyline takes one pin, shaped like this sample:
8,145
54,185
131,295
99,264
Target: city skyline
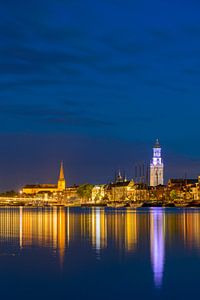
95,89
142,172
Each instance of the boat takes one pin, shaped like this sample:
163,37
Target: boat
136,204
181,204
93,205
152,204
168,204
117,204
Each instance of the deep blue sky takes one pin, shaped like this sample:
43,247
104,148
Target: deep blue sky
94,83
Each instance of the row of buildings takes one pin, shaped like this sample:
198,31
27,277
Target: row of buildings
122,189
175,190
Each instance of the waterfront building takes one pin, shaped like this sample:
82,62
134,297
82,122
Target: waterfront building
70,194
98,193
157,166
126,191
120,191
187,189
195,191
158,193
47,188
140,192
180,183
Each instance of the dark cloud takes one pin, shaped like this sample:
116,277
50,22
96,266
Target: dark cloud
29,110
161,35
51,83
192,30
18,69
193,71
12,33
47,56
80,121
167,87
57,116
118,43
123,68
31,83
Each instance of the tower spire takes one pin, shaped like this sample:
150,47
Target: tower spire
157,144
61,176
61,180
119,177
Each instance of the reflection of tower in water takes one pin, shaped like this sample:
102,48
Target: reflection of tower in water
99,229
61,235
157,242
130,230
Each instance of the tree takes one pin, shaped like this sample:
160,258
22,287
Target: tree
85,191
9,194
173,195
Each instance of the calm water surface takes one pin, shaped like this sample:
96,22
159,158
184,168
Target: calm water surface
77,253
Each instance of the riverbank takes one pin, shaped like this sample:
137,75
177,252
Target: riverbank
136,204
145,204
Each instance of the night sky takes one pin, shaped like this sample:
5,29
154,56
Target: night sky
94,83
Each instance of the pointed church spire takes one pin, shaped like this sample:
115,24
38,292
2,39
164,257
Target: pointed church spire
61,180
119,177
61,176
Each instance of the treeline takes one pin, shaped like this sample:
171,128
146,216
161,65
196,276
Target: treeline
9,194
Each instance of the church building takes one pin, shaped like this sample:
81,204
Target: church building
157,166
52,188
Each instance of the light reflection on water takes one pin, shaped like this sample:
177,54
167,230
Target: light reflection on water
157,241
127,233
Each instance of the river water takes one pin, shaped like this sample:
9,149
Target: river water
79,253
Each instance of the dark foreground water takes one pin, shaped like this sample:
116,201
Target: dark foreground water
59,253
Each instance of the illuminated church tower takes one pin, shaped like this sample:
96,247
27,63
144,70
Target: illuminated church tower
61,180
156,166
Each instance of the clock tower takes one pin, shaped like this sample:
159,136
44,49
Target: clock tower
156,166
